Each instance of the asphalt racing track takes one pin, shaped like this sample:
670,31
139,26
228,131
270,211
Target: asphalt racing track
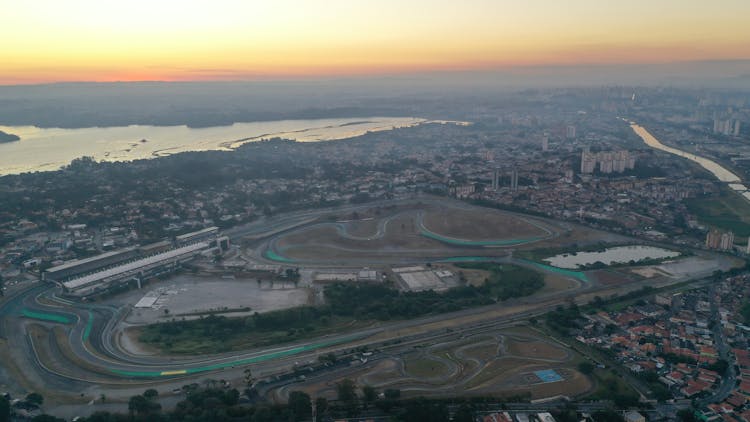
86,356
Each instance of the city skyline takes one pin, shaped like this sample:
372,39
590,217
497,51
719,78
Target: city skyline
230,40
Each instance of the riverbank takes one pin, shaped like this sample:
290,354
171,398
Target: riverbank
724,175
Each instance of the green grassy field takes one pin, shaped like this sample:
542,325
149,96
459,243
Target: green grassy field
727,211
195,338
611,387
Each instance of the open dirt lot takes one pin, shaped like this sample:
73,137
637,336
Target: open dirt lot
187,294
480,224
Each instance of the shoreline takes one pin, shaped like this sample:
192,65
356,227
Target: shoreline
51,149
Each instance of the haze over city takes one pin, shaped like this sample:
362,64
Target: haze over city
361,210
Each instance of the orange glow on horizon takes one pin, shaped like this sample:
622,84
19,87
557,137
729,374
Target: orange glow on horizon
168,40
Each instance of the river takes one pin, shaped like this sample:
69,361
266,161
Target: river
732,180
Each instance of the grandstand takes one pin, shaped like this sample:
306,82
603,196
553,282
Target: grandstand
98,274
75,268
199,236
135,270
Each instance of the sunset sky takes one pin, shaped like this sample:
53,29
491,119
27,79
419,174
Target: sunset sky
102,40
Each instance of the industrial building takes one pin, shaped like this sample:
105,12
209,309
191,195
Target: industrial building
365,275
418,278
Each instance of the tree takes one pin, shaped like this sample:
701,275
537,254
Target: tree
369,393
745,312
138,405
300,405
142,406
46,418
586,367
249,380
607,416
321,405
151,394
262,414
720,366
35,398
464,414
686,415
4,409
423,411
346,391
231,397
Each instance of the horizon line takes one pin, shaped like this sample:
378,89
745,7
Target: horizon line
386,75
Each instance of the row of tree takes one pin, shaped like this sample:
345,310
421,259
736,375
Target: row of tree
367,301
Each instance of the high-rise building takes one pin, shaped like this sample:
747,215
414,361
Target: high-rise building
728,127
545,142
608,161
727,241
720,240
588,162
496,179
570,132
514,180
713,238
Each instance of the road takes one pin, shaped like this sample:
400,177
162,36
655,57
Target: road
729,379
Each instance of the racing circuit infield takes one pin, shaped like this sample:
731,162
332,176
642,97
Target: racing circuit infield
409,233
56,346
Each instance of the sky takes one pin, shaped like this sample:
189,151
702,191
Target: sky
102,40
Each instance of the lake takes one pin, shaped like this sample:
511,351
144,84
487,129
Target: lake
45,149
609,256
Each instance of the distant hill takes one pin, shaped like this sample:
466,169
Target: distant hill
8,137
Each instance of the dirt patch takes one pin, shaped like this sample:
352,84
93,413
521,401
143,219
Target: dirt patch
480,224
128,341
400,233
473,277
383,373
496,369
425,367
534,349
482,352
609,278
556,283
362,228
649,272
